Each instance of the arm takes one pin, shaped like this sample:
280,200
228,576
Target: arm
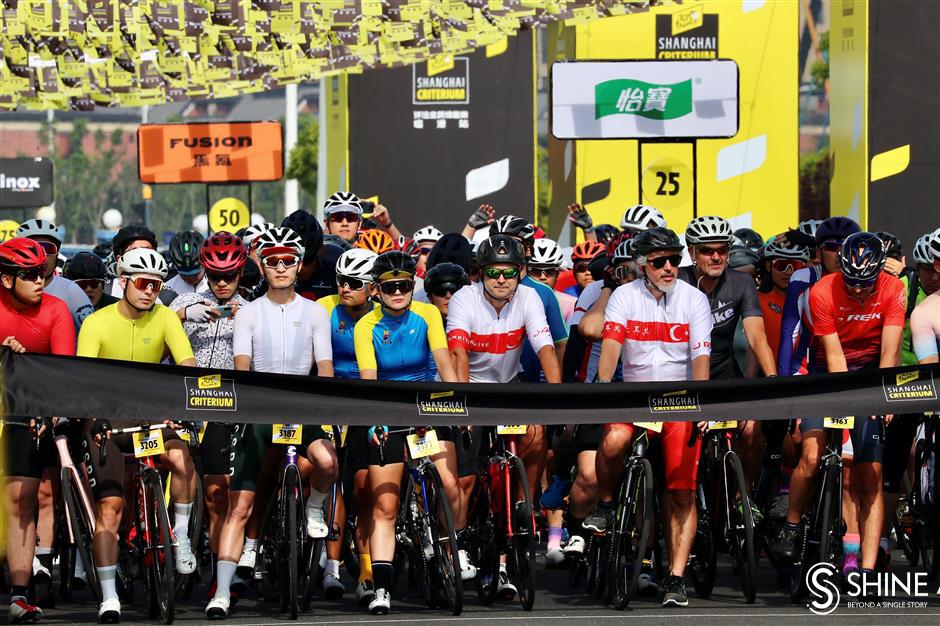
459,324
550,366
368,374
461,363
789,329
365,350
62,338
701,367
574,354
891,346
835,357
176,339
383,219
579,216
616,314
445,366
607,365
322,342
757,342
592,324
925,325
89,343
483,216
242,362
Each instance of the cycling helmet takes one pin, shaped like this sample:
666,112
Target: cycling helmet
356,263
776,250
642,217
223,252
252,232
21,253
514,227
653,239
40,228
280,240
445,276
130,233
393,264
336,240
836,229
309,229
623,252
142,261
184,251
708,229
546,253
587,250
934,244
618,239
809,227
377,241
85,265
342,201
894,249
742,256
451,248
750,238
605,232
500,249
102,250
251,276
862,257
428,233
921,251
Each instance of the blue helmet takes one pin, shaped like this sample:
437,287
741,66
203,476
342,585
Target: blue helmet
862,259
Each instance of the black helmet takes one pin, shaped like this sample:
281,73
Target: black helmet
445,277
394,263
85,265
894,249
336,240
862,258
251,275
659,238
750,238
102,250
836,229
742,256
501,249
451,248
184,251
514,227
131,233
309,229
605,232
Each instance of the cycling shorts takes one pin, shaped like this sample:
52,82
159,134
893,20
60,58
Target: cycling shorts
24,458
216,449
899,437
867,437
107,480
394,449
468,456
680,460
251,445
588,437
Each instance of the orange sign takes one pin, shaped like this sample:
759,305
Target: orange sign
210,153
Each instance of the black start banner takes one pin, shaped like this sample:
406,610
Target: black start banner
46,385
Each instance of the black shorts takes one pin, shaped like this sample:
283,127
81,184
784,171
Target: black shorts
25,457
868,437
251,446
216,449
394,449
899,437
588,437
468,456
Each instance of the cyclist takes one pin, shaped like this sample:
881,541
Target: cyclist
342,213
132,237
49,236
284,333
425,239
450,248
925,327
441,282
780,260
136,328
660,328
375,241
87,270
316,277
923,281
544,266
184,254
395,342
581,257
30,321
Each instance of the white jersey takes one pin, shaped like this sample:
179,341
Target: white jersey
283,338
494,340
659,337
211,341
181,287
74,297
589,295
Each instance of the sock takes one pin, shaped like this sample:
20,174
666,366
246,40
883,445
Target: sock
250,544
382,574
106,576
851,544
225,571
554,538
181,514
790,526
316,498
45,557
332,567
18,591
502,568
365,567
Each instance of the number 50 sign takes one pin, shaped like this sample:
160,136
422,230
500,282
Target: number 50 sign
228,214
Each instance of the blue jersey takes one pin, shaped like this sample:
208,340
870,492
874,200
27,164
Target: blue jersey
341,334
795,329
399,347
531,368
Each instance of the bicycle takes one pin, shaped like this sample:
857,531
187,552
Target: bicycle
923,501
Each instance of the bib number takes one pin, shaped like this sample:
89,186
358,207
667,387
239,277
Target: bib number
420,447
148,443
289,434
656,427
722,425
328,429
514,429
841,423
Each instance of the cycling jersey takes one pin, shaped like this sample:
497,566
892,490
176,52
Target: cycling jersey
107,334
734,297
771,306
320,285
181,287
398,346
796,330
493,341
925,327
567,303
74,297
211,341
531,367
283,338
342,326
114,289
908,356
44,329
858,324
660,338
587,372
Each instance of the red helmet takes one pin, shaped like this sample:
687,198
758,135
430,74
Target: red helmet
21,254
587,250
616,240
223,252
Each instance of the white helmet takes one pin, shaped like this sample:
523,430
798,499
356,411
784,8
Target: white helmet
546,252
808,227
642,217
142,261
922,252
934,243
280,240
40,228
775,250
623,252
428,233
356,263
253,231
342,201
708,229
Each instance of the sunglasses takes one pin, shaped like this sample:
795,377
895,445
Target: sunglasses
855,283
581,267
708,252
660,262
788,265
391,287
32,274
550,272
350,283
831,246
218,277
447,289
273,262
89,283
143,283
344,216
48,247
507,272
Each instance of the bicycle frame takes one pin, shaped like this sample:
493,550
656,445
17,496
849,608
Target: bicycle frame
68,466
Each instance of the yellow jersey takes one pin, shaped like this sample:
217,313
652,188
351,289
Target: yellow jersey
107,334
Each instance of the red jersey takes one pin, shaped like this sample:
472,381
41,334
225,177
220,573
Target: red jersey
45,328
771,306
858,324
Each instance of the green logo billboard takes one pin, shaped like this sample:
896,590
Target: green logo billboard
625,96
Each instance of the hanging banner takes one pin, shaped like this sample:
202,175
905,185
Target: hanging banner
84,388
25,183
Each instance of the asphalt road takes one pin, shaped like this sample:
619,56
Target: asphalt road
556,603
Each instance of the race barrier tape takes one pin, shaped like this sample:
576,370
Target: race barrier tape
47,385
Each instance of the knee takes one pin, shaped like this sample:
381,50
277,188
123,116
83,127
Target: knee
239,511
109,513
615,442
385,508
324,459
587,476
682,499
809,458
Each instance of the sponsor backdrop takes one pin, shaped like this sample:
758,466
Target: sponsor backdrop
750,178
83,388
885,128
435,140
25,183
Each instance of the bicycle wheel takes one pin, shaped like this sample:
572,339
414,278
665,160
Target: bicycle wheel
522,551
831,473
269,546
703,562
159,548
629,540
742,527
592,557
292,499
312,572
443,540
82,530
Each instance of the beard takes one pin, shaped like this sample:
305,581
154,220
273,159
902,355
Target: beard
665,287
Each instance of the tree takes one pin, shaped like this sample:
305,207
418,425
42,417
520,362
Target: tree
815,177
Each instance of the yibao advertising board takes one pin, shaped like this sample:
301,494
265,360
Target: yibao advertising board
644,99
25,183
